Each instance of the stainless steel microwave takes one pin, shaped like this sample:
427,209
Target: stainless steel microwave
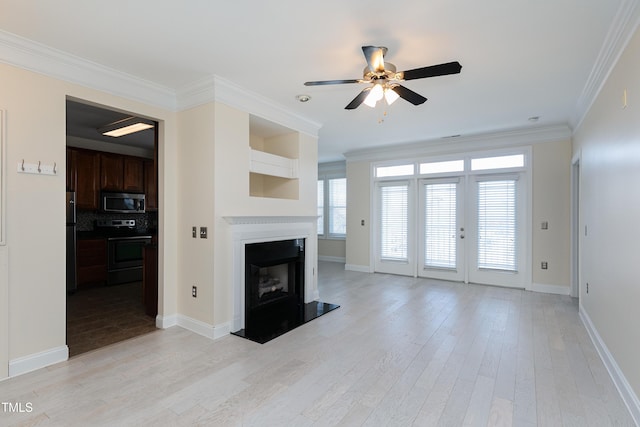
122,202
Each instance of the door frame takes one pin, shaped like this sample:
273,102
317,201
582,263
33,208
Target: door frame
575,225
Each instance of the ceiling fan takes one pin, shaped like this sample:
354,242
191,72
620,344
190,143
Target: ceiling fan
384,79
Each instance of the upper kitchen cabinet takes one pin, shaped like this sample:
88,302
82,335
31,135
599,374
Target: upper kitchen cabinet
83,174
151,185
111,172
133,176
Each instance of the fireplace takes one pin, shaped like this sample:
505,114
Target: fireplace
274,287
274,275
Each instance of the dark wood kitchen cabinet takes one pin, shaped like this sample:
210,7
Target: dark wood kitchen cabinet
83,174
111,172
151,185
133,176
91,262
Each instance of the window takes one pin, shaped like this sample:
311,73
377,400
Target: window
321,207
394,221
337,207
440,225
501,162
332,208
399,170
442,167
497,228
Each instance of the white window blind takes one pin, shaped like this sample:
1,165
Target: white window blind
338,206
497,228
394,211
440,226
321,206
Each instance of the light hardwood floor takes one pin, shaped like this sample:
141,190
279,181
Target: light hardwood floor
400,351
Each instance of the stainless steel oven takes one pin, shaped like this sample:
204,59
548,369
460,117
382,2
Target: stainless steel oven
125,258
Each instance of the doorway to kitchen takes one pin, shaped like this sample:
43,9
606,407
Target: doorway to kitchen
112,222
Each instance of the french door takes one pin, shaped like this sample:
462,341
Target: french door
469,228
441,250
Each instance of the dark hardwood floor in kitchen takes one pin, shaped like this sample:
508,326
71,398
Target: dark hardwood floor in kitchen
104,315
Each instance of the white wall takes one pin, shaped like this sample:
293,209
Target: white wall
551,204
35,230
608,145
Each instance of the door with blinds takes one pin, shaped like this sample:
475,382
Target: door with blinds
441,249
497,230
394,220
467,229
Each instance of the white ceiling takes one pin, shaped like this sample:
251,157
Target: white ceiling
520,58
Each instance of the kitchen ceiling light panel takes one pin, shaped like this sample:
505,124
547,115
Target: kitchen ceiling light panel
125,127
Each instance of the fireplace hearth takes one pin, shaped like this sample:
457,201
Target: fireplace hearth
275,290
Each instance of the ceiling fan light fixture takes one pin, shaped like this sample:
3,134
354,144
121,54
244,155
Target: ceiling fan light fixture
390,95
125,127
374,96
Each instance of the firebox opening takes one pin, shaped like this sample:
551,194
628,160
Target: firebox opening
274,290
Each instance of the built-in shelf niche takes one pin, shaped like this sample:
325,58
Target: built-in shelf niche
273,164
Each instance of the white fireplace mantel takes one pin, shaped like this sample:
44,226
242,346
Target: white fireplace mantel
255,229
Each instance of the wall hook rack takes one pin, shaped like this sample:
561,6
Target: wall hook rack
37,168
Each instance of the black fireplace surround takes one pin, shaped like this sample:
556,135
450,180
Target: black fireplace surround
274,290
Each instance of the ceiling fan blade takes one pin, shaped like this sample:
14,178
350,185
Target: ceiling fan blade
331,82
409,95
375,57
433,71
358,99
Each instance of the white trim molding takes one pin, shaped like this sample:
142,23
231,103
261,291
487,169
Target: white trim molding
477,142
358,268
36,361
620,32
328,258
617,376
550,289
196,326
256,229
42,59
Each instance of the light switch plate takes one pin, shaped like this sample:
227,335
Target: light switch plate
194,232
203,232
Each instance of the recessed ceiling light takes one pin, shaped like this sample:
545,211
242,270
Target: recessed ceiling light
303,98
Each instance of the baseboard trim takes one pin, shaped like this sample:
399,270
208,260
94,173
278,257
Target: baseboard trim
616,374
550,289
36,361
359,268
331,258
164,322
201,328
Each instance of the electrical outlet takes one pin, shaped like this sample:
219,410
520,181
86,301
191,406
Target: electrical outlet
203,232
544,265
362,222
194,291
194,232
587,287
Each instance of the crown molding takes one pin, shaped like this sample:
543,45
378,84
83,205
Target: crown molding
235,96
217,89
493,140
620,32
27,54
